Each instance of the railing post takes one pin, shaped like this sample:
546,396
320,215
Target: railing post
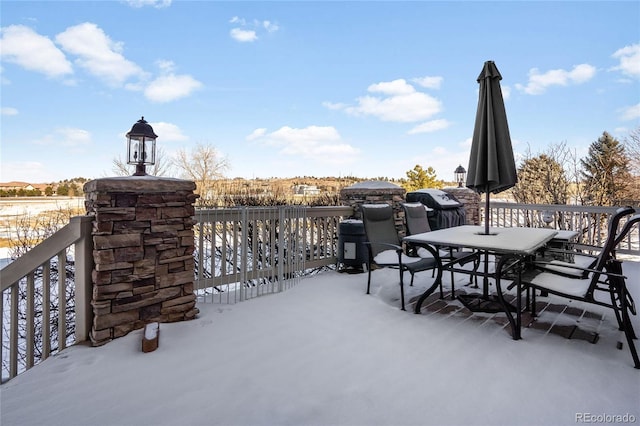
244,220
84,286
282,227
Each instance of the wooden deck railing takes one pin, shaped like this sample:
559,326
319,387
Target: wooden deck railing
45,293
240,253
589,221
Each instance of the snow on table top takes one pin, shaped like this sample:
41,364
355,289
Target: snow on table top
505,240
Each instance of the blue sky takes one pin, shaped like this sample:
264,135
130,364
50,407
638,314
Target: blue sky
299,88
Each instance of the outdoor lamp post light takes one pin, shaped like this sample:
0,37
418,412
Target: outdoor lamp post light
461,175
141,148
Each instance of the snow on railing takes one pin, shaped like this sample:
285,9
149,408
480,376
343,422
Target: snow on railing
240,253
244,252
590,222
46,295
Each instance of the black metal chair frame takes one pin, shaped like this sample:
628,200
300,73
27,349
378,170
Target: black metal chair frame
381,236
417,222
605,275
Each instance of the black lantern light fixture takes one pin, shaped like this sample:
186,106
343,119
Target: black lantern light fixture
141,147
460,175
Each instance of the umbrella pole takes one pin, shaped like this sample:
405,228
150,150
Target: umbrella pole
485,283
486,212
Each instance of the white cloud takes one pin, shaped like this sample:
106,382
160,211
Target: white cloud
321,143
72,137
158,4
336,106
237,20
98,54
430,126
429,82
631,113
243,36
246,32
395,87
69,137
506,92
400,102
166,66
402,108
170,87
270,26
168,132
23,46
8,111
256,134
538,83
629,57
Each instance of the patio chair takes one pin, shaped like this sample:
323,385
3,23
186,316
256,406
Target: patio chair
585,259
385,248
603,277
417,222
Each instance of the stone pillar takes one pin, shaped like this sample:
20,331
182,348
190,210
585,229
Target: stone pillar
143,253
375,192
471,201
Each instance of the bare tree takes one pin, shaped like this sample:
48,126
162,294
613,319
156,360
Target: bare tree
632,147
27,231
162,166
552,177
203,164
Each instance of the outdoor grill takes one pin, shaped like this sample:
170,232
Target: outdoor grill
446,211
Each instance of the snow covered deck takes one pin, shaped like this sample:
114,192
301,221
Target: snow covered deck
324,353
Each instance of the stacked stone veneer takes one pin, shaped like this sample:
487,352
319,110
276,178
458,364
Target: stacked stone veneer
375,192
471,201
143,253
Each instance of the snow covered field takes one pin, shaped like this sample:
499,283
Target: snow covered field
13,208
34,205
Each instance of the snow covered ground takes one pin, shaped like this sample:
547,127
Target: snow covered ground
12,209
324,353
36,205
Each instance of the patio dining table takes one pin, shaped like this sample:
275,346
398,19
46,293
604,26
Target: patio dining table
510,245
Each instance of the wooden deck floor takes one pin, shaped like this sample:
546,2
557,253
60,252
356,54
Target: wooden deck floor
570,321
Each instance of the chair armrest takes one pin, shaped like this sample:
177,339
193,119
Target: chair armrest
553,250
392,246
543,266
434,252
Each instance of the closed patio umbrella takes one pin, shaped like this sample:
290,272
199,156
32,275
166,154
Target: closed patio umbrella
492,168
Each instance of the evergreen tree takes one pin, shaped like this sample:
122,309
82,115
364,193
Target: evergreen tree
63,190
541,180
418,178
606,172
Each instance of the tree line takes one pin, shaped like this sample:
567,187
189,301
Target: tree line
606,176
